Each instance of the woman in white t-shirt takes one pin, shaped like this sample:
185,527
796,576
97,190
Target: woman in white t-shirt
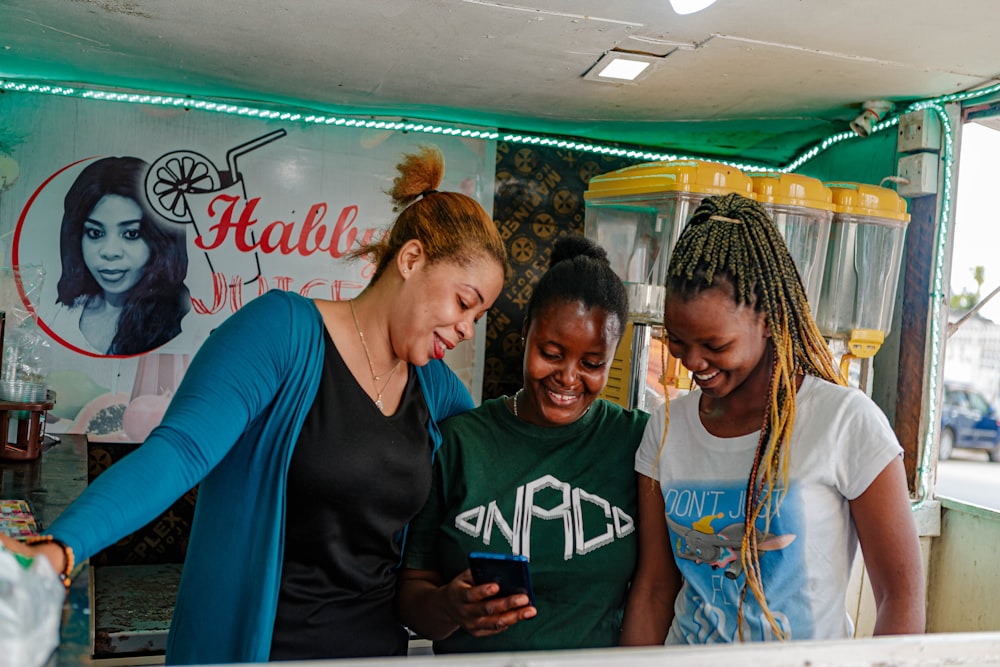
754,500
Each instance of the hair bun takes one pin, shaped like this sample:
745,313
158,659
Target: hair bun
420,174
575,245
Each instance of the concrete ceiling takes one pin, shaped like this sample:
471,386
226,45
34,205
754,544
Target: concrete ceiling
757,79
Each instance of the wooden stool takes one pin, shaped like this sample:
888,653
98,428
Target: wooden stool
27,444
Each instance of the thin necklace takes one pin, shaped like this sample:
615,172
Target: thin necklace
375,378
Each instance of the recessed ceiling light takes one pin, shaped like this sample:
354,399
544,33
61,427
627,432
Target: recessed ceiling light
620,66
623,68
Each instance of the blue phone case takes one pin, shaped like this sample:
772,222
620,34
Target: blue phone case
510,571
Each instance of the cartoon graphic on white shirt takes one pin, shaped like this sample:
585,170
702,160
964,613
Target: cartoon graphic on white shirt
702,544
706,531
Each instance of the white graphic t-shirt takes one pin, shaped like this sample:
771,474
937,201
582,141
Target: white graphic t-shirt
841,441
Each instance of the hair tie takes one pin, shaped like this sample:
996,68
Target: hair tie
428,192
722,218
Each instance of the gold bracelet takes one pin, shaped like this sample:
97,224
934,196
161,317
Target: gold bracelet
67,570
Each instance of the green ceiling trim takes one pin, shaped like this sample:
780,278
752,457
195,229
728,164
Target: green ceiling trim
317,118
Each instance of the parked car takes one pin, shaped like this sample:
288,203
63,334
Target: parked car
968,421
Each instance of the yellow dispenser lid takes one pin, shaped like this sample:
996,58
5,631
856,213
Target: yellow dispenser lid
871,201
792,190
692,176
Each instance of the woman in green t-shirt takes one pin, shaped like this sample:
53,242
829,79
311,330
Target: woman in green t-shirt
546,473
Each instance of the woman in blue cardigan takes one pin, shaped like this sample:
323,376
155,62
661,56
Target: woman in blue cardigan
310,426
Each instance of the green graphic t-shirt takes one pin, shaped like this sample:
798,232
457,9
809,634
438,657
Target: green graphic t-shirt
564,497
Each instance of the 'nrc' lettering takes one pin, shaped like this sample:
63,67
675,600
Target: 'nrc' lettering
481,521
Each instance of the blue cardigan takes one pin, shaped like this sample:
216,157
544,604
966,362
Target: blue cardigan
231,426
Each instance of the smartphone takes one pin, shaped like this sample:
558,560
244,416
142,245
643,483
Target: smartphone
508,570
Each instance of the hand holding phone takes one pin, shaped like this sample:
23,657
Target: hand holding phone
509,571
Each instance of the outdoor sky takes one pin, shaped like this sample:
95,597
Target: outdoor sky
977,216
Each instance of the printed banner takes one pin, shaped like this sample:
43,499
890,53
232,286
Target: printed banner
133,231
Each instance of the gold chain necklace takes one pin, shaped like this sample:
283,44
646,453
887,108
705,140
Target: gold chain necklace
371,367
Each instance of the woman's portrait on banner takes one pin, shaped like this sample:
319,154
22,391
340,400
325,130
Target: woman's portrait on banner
120,290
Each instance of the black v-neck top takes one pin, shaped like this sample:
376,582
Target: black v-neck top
355,480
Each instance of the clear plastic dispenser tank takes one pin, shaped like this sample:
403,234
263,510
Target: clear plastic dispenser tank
864,256
637,214
802,208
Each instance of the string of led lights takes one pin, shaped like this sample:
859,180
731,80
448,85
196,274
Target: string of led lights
315,118
936,296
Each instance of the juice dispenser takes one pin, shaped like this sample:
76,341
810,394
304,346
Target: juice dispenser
864,255
637,214
801,207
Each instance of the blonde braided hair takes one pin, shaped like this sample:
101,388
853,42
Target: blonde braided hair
732,239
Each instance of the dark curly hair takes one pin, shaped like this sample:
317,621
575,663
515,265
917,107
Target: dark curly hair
579,271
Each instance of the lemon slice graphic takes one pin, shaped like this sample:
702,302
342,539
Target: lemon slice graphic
175,175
